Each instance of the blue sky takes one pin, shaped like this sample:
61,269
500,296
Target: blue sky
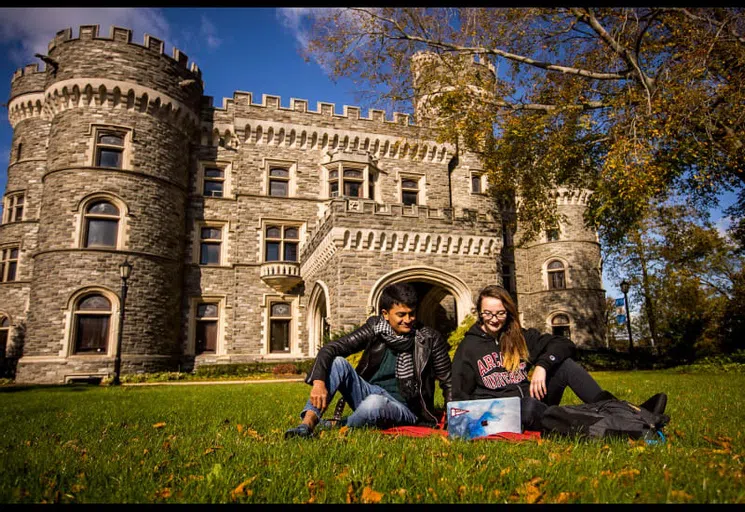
256,50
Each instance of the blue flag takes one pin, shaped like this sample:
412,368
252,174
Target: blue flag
619,302
620,319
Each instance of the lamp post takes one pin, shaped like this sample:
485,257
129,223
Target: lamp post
625,289
125,269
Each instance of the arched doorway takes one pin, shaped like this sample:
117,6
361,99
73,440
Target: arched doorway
444,299
318,325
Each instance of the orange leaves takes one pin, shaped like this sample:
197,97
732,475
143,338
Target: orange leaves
370,496
529,492
242,489
566,497
364,495
159,425
245,431
212,449
680,496
313,488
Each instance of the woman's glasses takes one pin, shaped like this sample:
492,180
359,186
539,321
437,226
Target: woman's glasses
488,315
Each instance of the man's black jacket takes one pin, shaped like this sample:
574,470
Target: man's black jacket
431,361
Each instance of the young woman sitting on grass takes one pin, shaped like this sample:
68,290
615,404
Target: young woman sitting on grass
494,359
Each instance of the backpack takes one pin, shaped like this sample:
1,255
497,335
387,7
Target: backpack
606,418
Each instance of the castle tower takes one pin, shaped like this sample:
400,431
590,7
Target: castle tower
21,201
435,75
118,120
558,276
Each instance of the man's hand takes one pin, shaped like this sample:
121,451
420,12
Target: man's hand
319,395
538,383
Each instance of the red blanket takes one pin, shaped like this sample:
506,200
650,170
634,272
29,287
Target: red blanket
414,431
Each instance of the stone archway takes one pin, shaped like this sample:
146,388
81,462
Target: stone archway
434,286
318,310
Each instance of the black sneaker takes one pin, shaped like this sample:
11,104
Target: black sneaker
301,430
656,404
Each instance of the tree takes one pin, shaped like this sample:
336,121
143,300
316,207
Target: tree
633,103
685,275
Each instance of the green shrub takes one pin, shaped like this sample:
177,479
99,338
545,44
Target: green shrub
458,334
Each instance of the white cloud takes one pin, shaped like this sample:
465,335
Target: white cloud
208,31
28,30
300,20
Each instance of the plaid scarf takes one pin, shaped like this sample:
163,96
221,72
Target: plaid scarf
402,346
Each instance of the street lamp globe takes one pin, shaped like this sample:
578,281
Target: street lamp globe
125,269
625,286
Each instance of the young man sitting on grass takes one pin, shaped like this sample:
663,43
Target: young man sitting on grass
394,383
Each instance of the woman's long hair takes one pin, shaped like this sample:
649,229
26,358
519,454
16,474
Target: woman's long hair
511,338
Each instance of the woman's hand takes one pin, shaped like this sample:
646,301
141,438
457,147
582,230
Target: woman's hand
319,395
538,383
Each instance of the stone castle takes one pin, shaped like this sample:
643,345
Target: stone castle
255,231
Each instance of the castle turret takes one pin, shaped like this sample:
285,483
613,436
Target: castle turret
434,76
21,201
120,121
558,276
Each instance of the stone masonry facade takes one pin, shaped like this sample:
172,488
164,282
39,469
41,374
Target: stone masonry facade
255,231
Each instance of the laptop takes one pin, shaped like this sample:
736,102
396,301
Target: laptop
471,419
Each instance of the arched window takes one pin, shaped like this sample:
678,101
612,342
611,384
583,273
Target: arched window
4,333
556,275
560,325
91,320
101,224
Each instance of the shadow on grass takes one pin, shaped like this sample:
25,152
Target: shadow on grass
73,387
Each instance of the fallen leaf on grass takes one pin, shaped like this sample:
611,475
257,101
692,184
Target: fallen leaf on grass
239,427
212,449
159,425
163,493
241,489
343,431
505,471
681,495
352,492
370,496
565,497
313,488
530,491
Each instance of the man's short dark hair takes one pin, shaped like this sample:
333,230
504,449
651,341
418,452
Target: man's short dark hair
398,293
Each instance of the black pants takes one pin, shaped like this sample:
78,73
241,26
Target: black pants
566,373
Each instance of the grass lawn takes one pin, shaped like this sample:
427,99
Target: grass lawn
224,443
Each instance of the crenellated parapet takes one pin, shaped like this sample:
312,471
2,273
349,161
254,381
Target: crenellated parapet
565,196
314,134
124,35
345,225
323,109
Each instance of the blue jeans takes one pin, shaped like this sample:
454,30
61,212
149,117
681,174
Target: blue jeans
372,405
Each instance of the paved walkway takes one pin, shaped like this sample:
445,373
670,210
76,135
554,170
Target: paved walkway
209,382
